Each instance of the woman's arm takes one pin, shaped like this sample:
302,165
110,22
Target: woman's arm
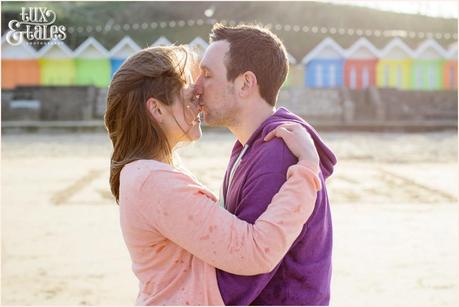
185,213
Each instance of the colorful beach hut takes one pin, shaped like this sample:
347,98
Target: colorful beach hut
162,41
92,64
121,51
19,65
199,46
360,65
427,67
323,65
295,73
450,68
56,64
394,66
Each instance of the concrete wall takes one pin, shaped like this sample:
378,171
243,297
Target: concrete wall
55,103
372,104
52,103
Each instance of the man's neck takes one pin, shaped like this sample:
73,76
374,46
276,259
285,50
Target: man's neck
249,120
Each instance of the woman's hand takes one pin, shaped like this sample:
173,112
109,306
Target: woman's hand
298,141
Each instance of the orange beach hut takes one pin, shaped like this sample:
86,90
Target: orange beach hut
19,65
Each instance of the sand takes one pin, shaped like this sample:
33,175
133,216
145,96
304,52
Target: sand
394,202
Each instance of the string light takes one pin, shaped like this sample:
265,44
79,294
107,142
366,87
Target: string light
278,27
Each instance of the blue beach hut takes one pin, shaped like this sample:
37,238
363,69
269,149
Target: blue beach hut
323,65
121,51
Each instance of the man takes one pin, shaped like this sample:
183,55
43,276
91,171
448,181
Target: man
241,74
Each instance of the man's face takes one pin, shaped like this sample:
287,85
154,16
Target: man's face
217,94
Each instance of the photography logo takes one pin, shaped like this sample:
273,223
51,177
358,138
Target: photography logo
35,24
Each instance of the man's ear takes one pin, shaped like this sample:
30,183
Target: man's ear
246,84
155,108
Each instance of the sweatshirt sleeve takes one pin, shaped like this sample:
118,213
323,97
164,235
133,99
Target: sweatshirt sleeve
187,214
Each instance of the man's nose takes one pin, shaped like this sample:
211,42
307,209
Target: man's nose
198,89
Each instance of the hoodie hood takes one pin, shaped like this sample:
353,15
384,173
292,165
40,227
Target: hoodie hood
283,116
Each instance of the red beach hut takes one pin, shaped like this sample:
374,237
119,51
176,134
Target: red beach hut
360,65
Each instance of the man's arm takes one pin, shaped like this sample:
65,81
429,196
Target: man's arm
257,193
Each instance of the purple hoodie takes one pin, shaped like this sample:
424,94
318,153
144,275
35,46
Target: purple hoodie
303,275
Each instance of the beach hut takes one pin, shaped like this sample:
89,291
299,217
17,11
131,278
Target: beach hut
360,65
92,64
394,66
323,65
121,51
19,65
295,73
427,66
450,68
162,41
199,46
56,64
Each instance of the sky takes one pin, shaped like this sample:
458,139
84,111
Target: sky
439,8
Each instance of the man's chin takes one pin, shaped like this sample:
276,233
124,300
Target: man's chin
209,120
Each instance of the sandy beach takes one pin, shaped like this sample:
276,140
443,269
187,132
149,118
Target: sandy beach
394,208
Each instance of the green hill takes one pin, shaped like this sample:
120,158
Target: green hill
310,14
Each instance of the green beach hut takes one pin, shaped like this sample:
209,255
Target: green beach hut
56,64
427,66
92,64
295,73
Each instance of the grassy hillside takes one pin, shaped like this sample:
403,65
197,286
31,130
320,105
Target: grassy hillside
293,13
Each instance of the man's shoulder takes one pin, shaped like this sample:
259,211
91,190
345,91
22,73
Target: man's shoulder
275,148
271,157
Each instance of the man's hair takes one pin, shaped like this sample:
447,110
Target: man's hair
255,49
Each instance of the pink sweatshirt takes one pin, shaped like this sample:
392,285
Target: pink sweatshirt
177,235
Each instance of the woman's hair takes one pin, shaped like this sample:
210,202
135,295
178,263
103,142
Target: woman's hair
158,72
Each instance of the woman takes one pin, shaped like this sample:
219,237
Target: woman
175,232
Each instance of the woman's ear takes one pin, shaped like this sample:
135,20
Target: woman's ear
154,106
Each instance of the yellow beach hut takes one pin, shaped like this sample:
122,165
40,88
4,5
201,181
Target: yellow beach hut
394,66
56,64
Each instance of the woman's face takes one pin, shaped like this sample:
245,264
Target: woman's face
186,126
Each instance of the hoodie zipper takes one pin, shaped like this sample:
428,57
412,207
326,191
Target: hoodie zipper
233,170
